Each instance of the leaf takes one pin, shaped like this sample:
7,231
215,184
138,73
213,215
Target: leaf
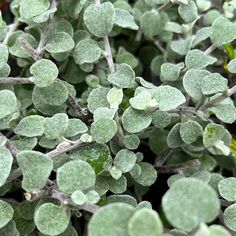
44,72
54,94
59,42
192,83
6,161
212,133
75,175
168,97
31,8
105,12
26,209
111,220
189,202
36,168
152,23
125,160
97,155
103,130
145,222
223,31
141,100
171,72
122,199
97,98
119,185
86,51
230,216
218,230
115,97
148,174
188,12
8,103
198,60
51,219
4,55
78,197
214,83
6,213
74,127
232,66
55,126
190,131
161,119
124,19
31,126
227,188
131,141
124,77
181,46
92,197
135,121
103,112
201,35
9,230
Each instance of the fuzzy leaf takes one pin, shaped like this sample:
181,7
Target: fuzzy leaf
99,19
135,121
198,60
168,97
141,100
124,19
103,112
189,202
111,220
31,126
119,185
230,216
78,197
218,230
4,55
232,66
181,46
227,188
124,77
55,126
190,131
174,139
51,219
145,222
59,42
131,141
214,83
36,168
188,12
44,72
103,130
92,197
171,72
115,97
75,175
8,103
125,160
75,126
161,119
6,161
86,51
6,213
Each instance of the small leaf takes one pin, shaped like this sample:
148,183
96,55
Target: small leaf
59,42
4,54
121,198
227,188
174,139
36,168
8,103
31,126
201,35
55,126
31,8
171,72
190,131
124,19
105,12
118,186
115,97
145,222
92,197
124,77
103,130
181,46
148,174
103,112
6,213
223,31
9,230
125,160
141,100
188,12
75,175
87,51
232,66
111,220
218,230
230,216
131,141
135,121
161,119
78,197
75,126
44,72
214,83
6,161
168,97
189,202
51,219
198,60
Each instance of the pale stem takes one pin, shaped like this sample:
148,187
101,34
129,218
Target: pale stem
12,28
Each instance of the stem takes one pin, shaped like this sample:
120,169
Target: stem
13,28
75,105
15,80
10,147
164,7
108,55
210,50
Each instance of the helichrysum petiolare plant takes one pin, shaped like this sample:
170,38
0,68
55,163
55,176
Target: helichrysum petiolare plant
98,99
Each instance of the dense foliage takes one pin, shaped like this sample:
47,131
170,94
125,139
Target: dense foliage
99,101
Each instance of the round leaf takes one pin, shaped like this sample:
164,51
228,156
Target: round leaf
78,197
8,103
230,217
189,202
227,188
6,213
